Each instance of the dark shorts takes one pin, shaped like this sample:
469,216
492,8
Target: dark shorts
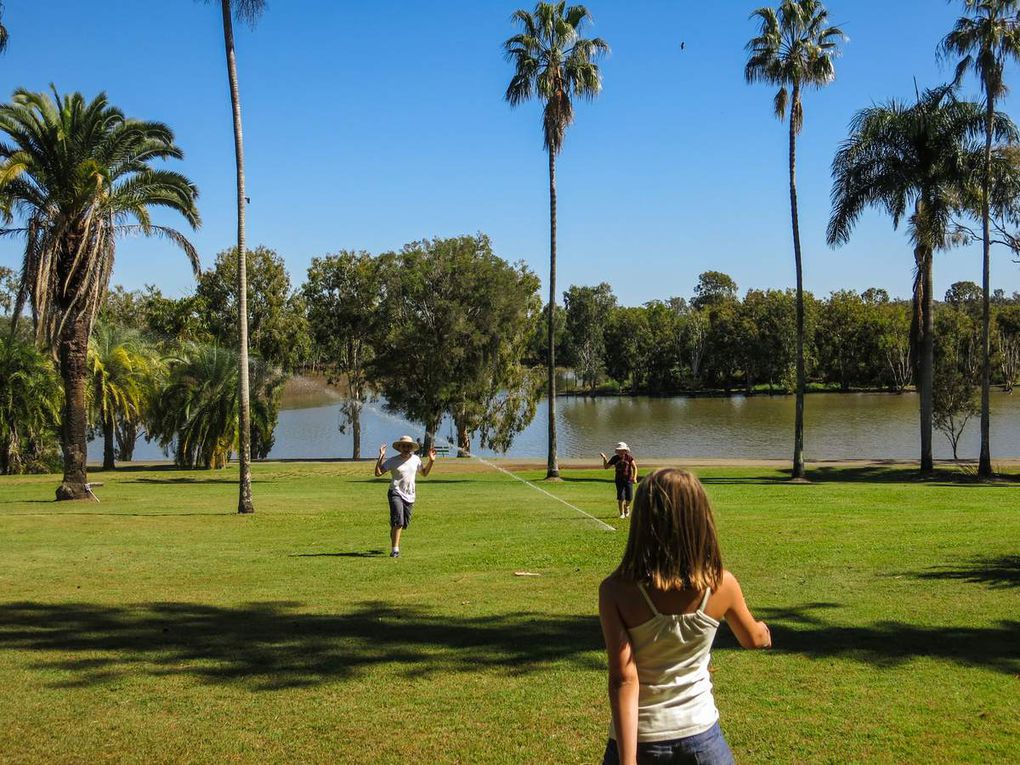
708,748
400,511
624,490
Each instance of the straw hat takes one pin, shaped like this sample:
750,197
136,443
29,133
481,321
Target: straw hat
622,447
406,440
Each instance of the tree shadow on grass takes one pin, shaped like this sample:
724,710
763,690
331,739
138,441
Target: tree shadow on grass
190,479
800,630
872,473
352,554
998,572
268,646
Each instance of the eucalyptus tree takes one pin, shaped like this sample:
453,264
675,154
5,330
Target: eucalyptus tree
986,39
794,49
74,176
247,11
554,64
917,163
343,293
123,369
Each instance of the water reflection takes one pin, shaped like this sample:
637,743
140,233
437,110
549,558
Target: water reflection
838,426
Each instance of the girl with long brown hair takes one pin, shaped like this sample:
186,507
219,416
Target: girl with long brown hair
660,611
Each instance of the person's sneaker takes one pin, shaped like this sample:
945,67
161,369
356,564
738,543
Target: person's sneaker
623,515
395,554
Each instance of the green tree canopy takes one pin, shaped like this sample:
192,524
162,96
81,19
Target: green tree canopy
457,319
277,327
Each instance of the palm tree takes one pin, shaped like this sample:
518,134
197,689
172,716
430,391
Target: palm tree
247,11
918,161
29,402
122,367
553,63
77,175
196,413
986,38
794,49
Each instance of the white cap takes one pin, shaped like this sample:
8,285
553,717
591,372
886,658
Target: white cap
622,446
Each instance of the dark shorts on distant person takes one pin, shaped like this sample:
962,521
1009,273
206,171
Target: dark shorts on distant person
708,748
624,491
400,510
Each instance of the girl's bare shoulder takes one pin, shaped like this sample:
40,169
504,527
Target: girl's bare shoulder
614,586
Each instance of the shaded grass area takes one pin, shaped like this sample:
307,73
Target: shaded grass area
159,626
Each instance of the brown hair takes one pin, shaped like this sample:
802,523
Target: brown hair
672,543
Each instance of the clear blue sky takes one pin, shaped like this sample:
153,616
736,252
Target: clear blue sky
368,125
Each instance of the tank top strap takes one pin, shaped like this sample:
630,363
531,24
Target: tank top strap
704,600
648,600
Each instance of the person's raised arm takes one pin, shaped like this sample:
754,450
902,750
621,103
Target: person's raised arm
379,462
623,676
749,632
432,461
605,460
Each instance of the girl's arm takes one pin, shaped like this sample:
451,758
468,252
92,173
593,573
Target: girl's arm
432,460
605,460
633,471
749,632
379,462
623,676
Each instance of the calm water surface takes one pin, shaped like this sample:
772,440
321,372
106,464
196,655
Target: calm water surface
838,426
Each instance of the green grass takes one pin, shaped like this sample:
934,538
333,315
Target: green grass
158,626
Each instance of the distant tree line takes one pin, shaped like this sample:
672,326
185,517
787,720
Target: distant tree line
716,341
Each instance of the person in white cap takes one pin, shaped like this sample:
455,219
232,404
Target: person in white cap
403,470
626,476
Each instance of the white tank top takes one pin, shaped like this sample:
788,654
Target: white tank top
672,652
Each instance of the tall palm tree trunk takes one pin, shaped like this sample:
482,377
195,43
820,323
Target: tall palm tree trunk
985,461
798,427
926,366
244,504
72,354
552,466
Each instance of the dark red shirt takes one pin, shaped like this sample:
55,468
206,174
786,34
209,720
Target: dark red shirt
624,467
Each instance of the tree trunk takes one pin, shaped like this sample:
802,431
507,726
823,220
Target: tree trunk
244,504
430,433
356,430
798,427
72,353
552,464
985,461
463,440
926,376
108,443
127,435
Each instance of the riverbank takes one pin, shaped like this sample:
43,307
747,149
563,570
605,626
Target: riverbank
158,625
306,390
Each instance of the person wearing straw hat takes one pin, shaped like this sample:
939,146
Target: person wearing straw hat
403,470
626,476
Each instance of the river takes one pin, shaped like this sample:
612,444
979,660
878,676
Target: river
838,426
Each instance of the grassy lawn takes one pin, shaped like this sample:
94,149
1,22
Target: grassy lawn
158,626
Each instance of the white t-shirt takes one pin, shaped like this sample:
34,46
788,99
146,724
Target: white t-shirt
403,472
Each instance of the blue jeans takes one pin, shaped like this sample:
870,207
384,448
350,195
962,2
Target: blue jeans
708,748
